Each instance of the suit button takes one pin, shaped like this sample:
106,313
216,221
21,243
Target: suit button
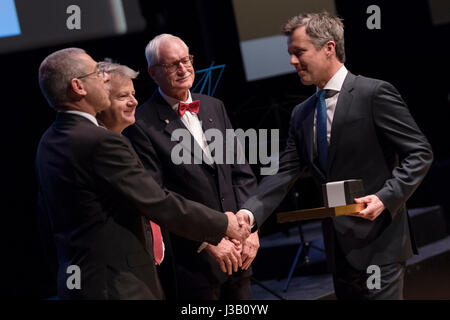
223,199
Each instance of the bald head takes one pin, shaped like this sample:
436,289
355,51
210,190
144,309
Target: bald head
56,71
70,80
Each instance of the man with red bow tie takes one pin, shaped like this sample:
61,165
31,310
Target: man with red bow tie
202,271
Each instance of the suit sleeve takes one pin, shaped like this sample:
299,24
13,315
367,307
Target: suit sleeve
146,152
272,189
395,123
116,164
243,179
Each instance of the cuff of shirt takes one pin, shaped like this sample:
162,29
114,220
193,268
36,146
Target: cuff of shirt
202,246
250,216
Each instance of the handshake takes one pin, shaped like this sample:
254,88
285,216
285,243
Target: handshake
238,226
239,247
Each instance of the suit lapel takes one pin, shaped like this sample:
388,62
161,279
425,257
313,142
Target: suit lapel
172,122
203,115
308,133
206,120
167,115
343,106
308,130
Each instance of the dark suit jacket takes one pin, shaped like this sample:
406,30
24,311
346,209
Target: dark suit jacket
373,138
94,190
223,187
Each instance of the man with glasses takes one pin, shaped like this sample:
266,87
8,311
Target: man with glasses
203,270
86,174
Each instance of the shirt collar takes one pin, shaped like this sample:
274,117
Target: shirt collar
173,103
336,81
86,115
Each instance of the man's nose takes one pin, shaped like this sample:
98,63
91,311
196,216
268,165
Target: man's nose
133,102
106,77
294,60
181,68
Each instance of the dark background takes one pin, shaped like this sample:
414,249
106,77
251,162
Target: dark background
408,51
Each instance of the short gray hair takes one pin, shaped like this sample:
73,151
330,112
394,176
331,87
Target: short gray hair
321,28
111,67
55,73
152,48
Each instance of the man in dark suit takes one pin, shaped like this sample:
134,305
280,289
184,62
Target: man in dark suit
203,270
353,127
86,174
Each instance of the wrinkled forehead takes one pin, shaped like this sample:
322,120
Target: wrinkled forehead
172,50
120,82
86,60
298,38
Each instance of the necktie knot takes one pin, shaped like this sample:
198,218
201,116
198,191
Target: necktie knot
326,93
322,94
193,107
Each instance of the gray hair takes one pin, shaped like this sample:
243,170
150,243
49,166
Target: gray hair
55,73
321,28
152,48
115,68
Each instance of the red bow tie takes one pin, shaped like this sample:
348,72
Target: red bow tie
192,107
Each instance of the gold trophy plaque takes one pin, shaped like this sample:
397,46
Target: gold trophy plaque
319,213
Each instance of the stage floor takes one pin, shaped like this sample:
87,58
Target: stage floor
427,274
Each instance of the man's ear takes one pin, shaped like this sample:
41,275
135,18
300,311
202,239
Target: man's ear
330,48
77,87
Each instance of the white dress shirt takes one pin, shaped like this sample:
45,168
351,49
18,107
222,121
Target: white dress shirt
334,85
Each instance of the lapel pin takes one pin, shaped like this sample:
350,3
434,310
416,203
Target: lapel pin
210,120
167,121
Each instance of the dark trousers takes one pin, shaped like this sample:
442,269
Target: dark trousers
198,286
352,284
236,287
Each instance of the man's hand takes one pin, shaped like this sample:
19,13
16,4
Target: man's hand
243,217
373,209
249,250
227,254
237,230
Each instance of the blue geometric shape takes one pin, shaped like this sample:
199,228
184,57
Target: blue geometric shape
206,78
9,23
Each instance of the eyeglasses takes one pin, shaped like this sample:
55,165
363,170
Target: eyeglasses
98,71
172,67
